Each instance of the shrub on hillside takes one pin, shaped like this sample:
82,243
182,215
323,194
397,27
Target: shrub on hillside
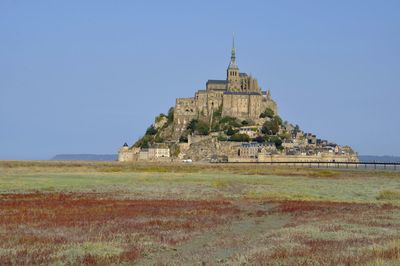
275,139
158,139
202,128
230,121
144,141
240,137
159,117
267,113
198,127
231,131
222,137
170,116
183,138
259,139
271,127
151,131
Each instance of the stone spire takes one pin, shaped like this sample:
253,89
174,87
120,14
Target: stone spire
232,64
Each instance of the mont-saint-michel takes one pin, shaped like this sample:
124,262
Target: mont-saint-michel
235,154
231,120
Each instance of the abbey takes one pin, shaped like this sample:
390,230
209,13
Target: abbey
231,120
239,96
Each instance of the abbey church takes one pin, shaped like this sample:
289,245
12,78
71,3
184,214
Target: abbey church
239,95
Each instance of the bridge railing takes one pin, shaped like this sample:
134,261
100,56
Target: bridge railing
328,164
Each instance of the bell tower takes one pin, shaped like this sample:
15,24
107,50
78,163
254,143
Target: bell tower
232,73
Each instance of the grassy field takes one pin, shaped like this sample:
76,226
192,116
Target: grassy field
108,213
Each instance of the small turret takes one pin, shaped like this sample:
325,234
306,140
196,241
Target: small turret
268,94
125,147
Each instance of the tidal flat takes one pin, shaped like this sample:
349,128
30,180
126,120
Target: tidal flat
109,213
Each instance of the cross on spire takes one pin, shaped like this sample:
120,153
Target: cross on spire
233,52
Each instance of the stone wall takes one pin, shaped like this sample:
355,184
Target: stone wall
202,148
245,106
128,155
185,110
296,158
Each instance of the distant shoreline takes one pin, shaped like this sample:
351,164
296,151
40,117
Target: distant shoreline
85,157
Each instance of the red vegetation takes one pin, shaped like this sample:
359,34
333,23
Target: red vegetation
35,220
78,210
326,206
335,217
36,228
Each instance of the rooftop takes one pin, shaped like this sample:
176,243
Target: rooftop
242,93
216,81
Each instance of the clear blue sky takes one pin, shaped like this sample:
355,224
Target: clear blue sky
86,76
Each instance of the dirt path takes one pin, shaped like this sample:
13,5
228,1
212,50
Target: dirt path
216,246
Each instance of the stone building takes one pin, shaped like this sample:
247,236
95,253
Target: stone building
126,154
154,153
253,149
239,95
251,131
159,152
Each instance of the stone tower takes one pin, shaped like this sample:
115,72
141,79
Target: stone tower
232,73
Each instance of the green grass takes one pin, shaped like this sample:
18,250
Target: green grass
70,253
389,195
209,184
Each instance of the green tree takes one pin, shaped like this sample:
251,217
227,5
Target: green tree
230,121
270,127
231,131
202,128
240,137
198,126
151,130
170,115
259,139
267,113
158,139
296,129
275,139
191,127
278,119
218,113
216,120
144,141
216,127
159,117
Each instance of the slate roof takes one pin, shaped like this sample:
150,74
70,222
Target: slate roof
216,81
242,93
